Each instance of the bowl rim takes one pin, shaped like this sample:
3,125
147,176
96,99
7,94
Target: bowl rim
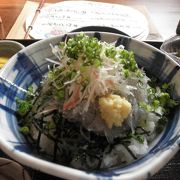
10,46
12,42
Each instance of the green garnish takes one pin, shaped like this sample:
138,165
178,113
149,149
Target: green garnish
25,105
128,60
145,106
137,137
24,130
60,94
88,48
111,52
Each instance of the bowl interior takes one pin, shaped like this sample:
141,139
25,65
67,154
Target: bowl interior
172,47
9,48
29,66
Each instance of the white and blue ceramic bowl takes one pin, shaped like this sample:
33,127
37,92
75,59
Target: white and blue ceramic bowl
27,68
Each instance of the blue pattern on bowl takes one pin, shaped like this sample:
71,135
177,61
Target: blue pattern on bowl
28,67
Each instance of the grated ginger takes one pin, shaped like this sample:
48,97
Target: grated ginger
114,109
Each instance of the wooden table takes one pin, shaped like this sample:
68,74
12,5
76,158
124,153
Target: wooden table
164,13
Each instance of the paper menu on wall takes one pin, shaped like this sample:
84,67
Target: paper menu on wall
66,16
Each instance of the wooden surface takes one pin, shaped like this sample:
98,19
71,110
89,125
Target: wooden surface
164,13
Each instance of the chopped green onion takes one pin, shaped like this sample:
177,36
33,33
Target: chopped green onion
23,106
24,130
